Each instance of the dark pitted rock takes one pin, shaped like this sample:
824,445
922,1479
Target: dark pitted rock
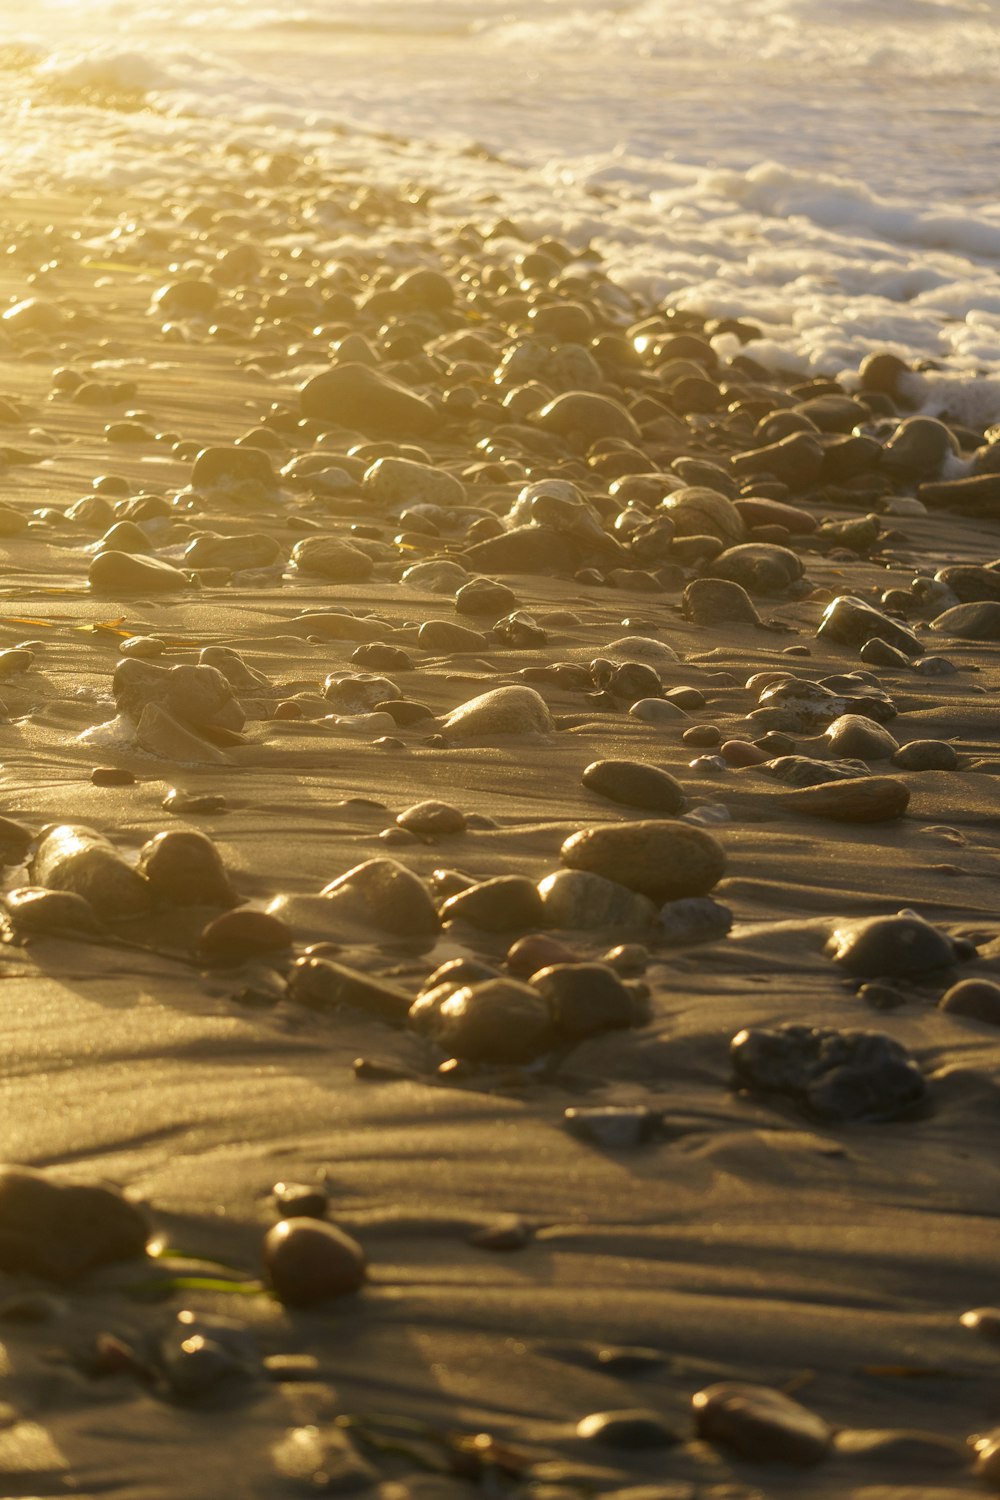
853,735
199,697
717,601
832,1075
501,711
633,784
184,868
926,755
699,511
582,902
795,460
758,567
309,1261
432,820
448,635
72,858
633,1428
357,692
385,894
759,1423
586,999
329,558
127,575
660,859
583,416
219,467
862,799
33,911
353,395
503,904
525,549
852,622
918,449
520,631
970,622
62,1230
495,1021
979,999
694,919
240,935
484,596
903,945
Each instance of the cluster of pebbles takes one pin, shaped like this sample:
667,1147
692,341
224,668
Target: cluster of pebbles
470,520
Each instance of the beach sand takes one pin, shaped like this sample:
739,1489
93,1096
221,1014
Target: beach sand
742,1238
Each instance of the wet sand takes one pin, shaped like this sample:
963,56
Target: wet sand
743,1238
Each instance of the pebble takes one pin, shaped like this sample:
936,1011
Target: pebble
580,901
503,1235
979,999
694,919
387,895
586,999
495,1021
300,1200
501,711
615,1127
240,935
395,481
337,561
662,860
199,1353
832,1075
60,1231
309,1261
658,711
501,904
353,395
438,575
484,596
432,820
717,601
899,946
867,799
126,575
72,858
853,735
184,868
633,1428
926,755
758,567
111,776
320,1460
760,1423
852,622
445,636
528,954
33,911
635,784
697,510
900,1449
984,1321
198,697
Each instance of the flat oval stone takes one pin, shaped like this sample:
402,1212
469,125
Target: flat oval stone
501,711
864,799
662,860
128,575
432,819
448,635
403,481
970,622
926,755
224,466
238,935
309,1261
718,601
586,998
760,1423
634,784
34,911
903,945
697,510
852,622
